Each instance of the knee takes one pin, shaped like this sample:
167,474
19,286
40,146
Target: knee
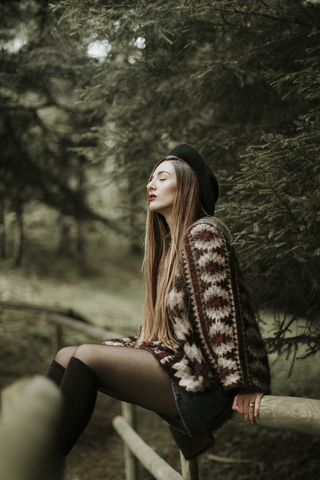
64,355
84,353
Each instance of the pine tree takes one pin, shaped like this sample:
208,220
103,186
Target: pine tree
191,71
274,208
239,81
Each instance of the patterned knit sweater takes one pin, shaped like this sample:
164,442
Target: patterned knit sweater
220,346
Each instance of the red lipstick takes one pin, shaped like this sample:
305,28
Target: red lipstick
152,197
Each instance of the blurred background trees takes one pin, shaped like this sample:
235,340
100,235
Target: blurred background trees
42,121
236,79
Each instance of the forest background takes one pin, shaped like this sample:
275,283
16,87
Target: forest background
93,93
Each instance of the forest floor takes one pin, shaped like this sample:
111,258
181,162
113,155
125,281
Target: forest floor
108,290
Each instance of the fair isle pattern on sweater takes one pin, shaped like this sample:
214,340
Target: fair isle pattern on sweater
220,346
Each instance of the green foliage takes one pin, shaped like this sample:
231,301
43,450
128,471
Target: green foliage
222,75
40,121
275,210
192,72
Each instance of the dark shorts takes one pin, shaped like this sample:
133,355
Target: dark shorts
196,409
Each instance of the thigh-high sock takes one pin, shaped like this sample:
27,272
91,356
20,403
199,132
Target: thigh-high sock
56,372
128,374
79,391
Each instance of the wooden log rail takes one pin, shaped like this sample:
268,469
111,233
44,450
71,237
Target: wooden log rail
62,321
69,312
283,413
147,456
300,415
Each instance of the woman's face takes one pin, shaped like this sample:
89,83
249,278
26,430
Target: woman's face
162,189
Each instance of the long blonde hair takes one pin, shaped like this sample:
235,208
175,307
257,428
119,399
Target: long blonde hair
162,253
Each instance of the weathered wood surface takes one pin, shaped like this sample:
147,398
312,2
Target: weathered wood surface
287,413
189,468
57,339
149,459
45,308
92,331
30,413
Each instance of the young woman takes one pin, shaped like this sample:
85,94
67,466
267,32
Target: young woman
198,353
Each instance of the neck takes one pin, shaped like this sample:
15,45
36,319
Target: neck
168,220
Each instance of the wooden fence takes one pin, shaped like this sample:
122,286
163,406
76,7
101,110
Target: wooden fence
30,413
283,413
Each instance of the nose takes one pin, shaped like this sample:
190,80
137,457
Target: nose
150,185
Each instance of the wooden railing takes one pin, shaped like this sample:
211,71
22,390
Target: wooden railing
283,413
300,415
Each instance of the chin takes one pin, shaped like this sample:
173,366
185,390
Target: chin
153,208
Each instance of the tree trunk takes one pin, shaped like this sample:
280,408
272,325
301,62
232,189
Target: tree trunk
18,233
81,242
65,241
81,238
3,252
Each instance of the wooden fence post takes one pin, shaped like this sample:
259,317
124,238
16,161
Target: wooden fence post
57,339
189,468
30,415
131,464
160,469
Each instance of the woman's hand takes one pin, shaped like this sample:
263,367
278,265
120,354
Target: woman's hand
248,405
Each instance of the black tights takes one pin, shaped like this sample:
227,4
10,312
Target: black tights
128,374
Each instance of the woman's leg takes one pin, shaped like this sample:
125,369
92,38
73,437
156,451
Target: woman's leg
59,364
79,388
56,372
64,355
129,374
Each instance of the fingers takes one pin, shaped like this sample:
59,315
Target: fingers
251,411
243,407
248,405
257,404
235,405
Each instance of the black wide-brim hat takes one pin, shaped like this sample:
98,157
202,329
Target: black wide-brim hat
208,183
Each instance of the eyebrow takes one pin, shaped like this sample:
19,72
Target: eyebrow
159,173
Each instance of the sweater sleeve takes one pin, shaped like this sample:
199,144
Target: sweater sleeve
222,319
121,342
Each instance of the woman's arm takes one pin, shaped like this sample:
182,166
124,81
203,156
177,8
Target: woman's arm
248,405
224,325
